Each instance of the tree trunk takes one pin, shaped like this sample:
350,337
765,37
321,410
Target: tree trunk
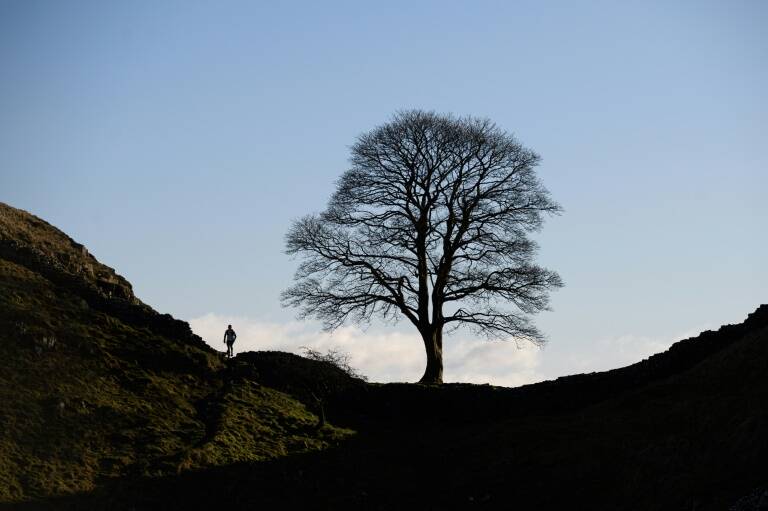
433,344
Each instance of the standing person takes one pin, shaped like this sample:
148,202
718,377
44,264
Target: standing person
229,338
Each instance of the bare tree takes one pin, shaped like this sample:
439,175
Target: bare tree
431,222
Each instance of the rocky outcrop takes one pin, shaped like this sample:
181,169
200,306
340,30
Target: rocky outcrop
34,243
42,248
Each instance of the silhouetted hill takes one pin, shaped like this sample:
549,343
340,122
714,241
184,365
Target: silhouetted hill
568,393
95,385
107,404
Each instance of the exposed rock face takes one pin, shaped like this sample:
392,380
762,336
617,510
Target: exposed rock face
42,248
32,242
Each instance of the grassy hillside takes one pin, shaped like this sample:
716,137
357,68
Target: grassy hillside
107,404
695,440
87,396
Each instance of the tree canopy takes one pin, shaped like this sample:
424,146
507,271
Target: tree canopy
431,222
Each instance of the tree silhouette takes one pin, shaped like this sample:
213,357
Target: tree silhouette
431,222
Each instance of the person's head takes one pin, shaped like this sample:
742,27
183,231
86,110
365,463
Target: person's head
229,327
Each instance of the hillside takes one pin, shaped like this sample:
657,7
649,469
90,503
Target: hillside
96,385
107,404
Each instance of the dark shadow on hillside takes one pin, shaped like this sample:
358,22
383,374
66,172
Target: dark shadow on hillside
697,439
96,386
574,461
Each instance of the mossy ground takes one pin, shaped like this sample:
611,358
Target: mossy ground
86,397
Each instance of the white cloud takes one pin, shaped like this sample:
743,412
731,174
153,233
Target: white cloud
382,355
495,362
392,354
614,352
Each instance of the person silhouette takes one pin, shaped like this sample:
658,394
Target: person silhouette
229,339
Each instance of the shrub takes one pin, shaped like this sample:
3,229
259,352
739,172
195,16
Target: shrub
336,358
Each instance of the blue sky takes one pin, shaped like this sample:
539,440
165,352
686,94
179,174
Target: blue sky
178,139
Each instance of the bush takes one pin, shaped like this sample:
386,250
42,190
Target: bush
336,358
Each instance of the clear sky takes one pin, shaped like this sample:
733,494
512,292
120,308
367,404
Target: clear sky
178,139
